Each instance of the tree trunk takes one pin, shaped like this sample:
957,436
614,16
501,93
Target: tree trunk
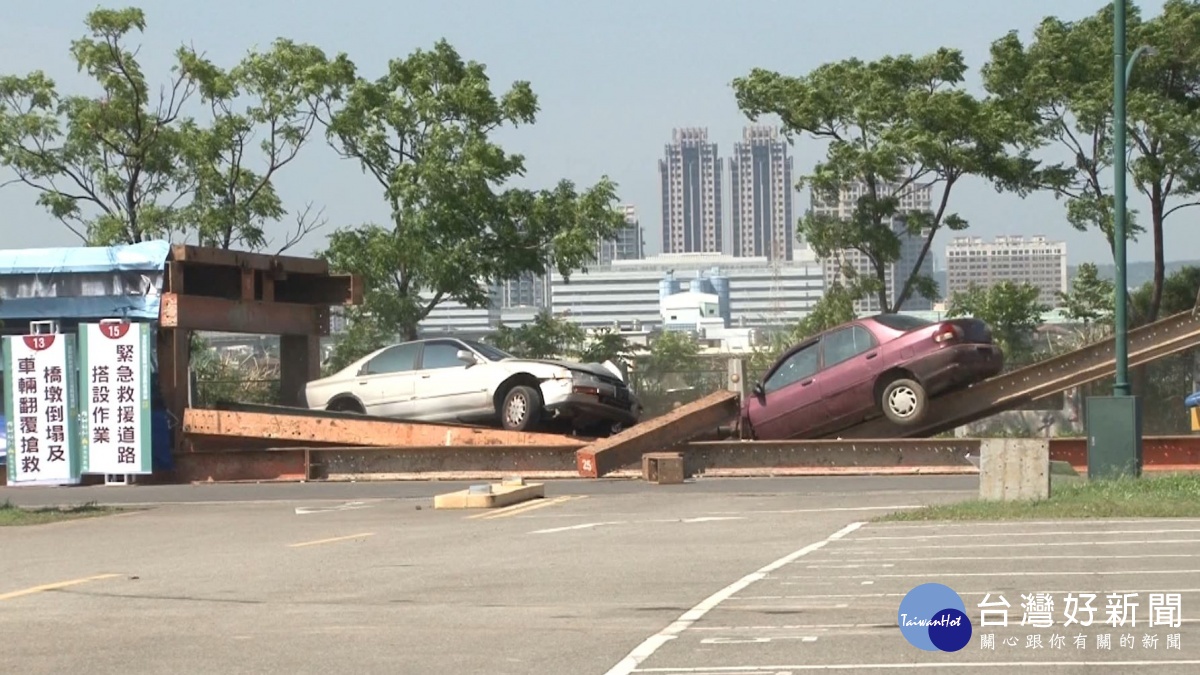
1156,224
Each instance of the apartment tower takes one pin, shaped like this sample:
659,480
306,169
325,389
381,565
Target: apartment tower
761,173
691,194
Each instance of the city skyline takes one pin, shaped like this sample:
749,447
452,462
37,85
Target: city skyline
591,121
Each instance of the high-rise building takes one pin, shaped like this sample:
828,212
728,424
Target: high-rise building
627,244
1036,261
914,198
691,194
761,173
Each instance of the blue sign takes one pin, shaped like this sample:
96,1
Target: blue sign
934,618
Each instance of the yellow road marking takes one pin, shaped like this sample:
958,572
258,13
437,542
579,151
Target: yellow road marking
519,509
331,540
55,586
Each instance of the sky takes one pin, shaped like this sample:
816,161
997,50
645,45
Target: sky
613,79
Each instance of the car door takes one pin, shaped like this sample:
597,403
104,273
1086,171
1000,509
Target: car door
790,400
851,361
386,383
446,386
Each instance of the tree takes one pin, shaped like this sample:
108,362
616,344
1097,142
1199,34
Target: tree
275,96
104,166
605,345
1061,86
547,336
1091,299
1011,310
896,126
422,131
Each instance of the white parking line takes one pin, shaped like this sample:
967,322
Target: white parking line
867,596
1048,533
1107,573
789,668
645,650
925,559
1126,542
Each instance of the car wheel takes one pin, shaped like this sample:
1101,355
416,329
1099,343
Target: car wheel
522,408
346,405
904,401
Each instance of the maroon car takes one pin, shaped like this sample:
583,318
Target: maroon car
889,363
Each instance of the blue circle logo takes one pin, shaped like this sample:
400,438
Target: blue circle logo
933,617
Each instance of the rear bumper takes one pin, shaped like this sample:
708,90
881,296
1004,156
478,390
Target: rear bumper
959,365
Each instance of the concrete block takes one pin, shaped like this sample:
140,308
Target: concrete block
664,468
490,496
1014,469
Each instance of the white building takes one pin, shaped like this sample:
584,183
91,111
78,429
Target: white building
1036,261
913,198
760,293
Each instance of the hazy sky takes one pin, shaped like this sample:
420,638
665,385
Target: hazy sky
613,79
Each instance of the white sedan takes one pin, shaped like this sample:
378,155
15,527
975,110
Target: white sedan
453,380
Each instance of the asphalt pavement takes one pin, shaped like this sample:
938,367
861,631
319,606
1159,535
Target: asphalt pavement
718,576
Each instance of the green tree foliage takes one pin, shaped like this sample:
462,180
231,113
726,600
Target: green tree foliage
1011,310
605,345
897,125
360,338
264,110
546,337
105,165
423,132
127,165
1090,299
1060,85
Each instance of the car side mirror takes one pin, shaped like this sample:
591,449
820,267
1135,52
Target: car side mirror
759,391
467,357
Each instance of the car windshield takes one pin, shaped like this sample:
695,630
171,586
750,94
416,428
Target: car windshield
901,322
489,352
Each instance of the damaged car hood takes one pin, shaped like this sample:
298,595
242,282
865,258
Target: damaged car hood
606,369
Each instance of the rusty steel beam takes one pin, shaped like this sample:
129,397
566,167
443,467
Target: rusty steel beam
204,255
385,463
309,289
660,433
193,312
358,432
772,455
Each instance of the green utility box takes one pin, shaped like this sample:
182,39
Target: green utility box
1114,436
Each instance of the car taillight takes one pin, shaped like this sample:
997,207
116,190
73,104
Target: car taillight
947,333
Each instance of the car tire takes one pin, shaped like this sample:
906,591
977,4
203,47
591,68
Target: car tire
346,405
521,409
904,401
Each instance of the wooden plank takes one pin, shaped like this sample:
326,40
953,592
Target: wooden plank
660,433
344,431
196,312
203,255
299,364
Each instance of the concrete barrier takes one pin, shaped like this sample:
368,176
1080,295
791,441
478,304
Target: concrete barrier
1014,469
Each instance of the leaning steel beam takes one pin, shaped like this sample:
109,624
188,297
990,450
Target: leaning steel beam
1005,392
362,432
660,433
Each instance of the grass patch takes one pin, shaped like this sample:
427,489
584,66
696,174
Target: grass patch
13,515
1160,496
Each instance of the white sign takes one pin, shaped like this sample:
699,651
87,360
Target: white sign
40,409
114,390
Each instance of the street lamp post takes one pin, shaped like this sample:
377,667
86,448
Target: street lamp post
1115,423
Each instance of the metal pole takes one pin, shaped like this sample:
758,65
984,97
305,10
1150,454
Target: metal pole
1121,329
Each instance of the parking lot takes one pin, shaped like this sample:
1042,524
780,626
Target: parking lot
833,605
368,578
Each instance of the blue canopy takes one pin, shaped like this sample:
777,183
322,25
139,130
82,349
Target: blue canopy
1192,401
82,283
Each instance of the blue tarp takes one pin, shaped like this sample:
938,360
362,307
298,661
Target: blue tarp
148,256
1192,401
